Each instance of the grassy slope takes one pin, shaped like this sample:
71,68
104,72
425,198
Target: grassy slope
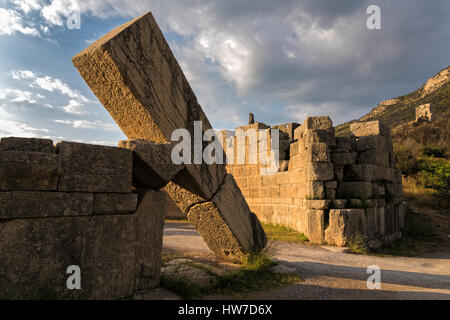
404,111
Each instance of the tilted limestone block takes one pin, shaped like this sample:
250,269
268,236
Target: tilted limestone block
29,171
369,128
374,157
152,163
35,255
33,204
344,225
27,144
135,75
93,168
149,218
353,189
226,224
374,142
183,198
114,203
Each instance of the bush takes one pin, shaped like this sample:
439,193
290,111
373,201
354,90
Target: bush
407,162
435,174
433,152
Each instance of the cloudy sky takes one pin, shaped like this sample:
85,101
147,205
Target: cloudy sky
281,60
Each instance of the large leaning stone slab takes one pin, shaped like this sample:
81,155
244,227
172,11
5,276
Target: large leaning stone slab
29,171
152,164
27,144
114,203
226,224
149,235
136,77
32,204
35,255
93,168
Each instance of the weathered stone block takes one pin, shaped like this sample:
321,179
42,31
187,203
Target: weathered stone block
317,136
375,157
114,203
29,171
32,204
343,143
354,189
226,224
27,144
149,219
360,172
35,255
373,142
314,190
319,171
93,168
317,152
152,163
317,123
342,159
344,225
315,232
402,210
317,204
369,128
136,77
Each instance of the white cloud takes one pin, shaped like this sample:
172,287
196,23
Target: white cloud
85,124
18,129
16,95
12,22
74,107
27,5
58,10
76,102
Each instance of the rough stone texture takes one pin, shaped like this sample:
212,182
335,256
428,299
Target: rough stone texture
27,144
226,223
344,224
315,225
134,74
114,203
149,231
152,163
35,254
424,112
31,204
375,157
29,171
374,142
357,189
92,168
361,129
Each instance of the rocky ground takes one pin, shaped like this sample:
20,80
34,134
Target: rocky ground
326,272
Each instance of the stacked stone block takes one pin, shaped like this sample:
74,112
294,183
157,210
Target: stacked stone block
335,188
74,204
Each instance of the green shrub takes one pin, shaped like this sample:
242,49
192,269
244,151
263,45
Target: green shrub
433,152
407,162
435,174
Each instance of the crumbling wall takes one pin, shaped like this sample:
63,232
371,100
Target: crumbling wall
331,189
424,113
73,204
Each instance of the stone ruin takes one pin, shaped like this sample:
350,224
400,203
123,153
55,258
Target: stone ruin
102,208
332,189
424,113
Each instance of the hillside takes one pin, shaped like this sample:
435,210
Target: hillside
401,110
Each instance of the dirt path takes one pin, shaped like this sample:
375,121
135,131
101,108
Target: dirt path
330,273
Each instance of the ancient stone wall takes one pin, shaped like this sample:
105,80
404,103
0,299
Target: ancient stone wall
74,204
330,188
